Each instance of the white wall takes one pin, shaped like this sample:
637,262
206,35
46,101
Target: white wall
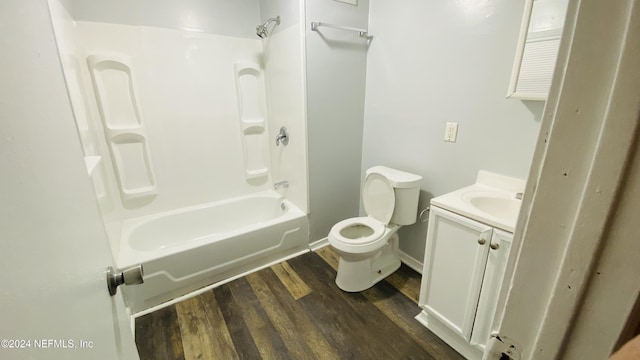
231,18
445,61
290,12
336,68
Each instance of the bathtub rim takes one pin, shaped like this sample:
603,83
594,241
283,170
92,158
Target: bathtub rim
128,256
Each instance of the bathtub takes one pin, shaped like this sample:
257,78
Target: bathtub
186,249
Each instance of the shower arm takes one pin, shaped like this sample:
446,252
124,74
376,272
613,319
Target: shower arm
276,19
262,30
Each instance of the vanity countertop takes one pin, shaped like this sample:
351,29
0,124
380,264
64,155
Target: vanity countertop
491,200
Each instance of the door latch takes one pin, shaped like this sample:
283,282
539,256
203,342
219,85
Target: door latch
130,276
502,348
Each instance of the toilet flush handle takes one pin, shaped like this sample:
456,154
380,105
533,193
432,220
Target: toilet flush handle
424,215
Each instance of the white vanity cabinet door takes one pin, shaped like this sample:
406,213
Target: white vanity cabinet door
494,272
454,264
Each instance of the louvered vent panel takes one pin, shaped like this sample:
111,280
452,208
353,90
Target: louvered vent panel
538,63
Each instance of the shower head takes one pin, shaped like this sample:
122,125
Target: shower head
262,30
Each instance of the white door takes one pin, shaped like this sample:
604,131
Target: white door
454,264
54,302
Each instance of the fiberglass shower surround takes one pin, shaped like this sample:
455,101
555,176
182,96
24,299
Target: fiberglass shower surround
116,78
196,232
176,126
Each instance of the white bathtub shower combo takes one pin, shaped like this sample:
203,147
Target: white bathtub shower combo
180,127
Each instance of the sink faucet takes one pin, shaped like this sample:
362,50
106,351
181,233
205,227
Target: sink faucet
519,196
281,184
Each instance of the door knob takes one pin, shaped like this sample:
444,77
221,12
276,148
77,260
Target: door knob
482,241
494,246
130,276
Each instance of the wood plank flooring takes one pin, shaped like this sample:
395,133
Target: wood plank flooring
294,310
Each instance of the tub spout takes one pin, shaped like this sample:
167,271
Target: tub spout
281,184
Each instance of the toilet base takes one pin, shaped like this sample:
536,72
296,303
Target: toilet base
358,273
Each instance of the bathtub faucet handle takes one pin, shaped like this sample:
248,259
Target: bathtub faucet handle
131,276
283,136
281,184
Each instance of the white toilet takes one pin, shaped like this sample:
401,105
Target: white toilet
368,246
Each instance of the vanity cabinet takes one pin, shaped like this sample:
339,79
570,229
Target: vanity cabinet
463,269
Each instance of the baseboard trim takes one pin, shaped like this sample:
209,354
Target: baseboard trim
318,244
410,261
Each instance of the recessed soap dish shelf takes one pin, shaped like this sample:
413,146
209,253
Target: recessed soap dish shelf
253,111
116,95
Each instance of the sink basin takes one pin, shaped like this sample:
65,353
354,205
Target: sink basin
504,208
491,200
499,205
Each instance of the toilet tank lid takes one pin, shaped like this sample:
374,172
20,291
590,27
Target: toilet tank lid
398,179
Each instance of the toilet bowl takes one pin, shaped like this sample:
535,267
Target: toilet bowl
368,246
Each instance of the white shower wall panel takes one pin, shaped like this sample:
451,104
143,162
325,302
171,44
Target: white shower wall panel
232,18
285,84
188,95
87,119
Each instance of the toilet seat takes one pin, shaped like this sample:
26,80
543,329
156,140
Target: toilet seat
374,235
361,235
357,231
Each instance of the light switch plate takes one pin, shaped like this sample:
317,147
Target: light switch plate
451,132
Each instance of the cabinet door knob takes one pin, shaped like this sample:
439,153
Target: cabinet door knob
494,246
482,241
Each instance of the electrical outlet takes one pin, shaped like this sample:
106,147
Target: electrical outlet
451,132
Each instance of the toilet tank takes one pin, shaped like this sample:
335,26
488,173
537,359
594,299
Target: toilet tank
407,192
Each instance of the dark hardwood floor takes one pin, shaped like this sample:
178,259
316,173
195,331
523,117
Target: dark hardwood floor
294,310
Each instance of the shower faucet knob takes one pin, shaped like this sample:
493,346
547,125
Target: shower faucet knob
283,136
